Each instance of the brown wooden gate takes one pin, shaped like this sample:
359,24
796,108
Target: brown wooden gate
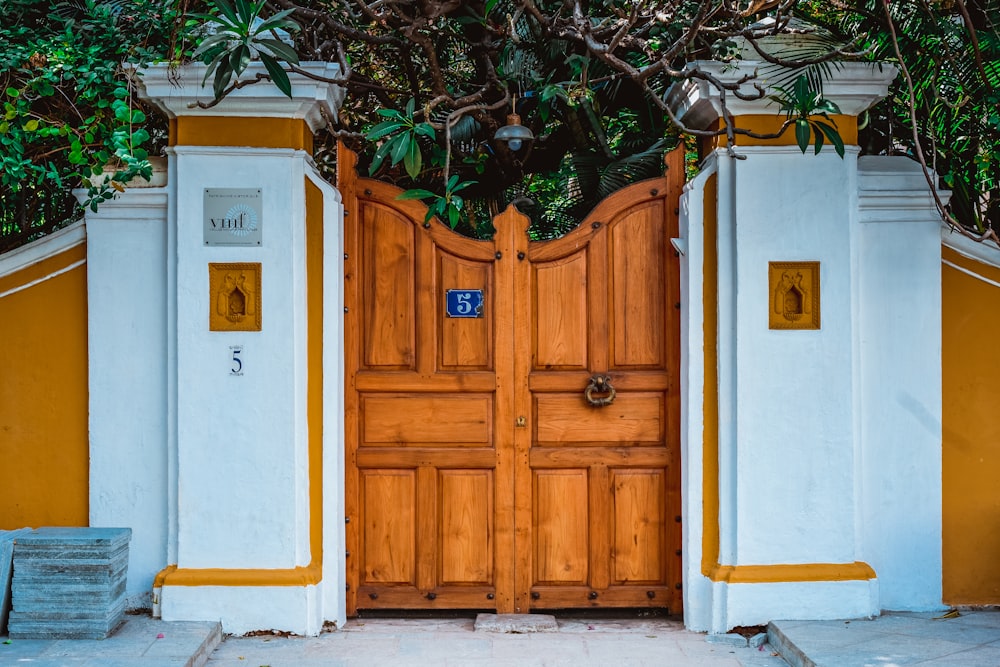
479,476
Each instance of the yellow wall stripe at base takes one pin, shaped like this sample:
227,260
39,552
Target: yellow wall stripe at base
236,131
307,575
710,540
761,574
313,573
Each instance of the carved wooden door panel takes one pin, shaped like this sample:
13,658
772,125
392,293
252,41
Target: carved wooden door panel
479,476
597,375
429,476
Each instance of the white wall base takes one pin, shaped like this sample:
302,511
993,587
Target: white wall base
756,604
243,609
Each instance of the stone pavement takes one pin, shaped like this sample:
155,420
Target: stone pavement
139,642
455,642
971,639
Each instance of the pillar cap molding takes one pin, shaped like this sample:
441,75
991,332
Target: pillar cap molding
177,90
893,188
853,86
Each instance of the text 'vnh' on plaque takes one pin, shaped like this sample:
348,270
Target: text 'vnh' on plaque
233,216
464,302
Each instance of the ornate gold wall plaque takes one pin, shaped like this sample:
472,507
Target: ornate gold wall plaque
794,292
234,297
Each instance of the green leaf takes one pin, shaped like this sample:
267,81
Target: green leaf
227,10
425,129
415,194
828,106
802,133
278,21
413,159
209,42
819,142
381,154
278,75
384,128
279,49
31,125
411,106
222,76
239,59
453,216
401,148
834,136
245,11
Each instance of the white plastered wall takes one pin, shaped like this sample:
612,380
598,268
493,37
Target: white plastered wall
242,439
829,440
127,329
898,298
135,395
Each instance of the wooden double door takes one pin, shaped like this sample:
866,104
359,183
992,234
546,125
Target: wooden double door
525,457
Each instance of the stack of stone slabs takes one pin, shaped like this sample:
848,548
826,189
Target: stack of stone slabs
7,538
69,583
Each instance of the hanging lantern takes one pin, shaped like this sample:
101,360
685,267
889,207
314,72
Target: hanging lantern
515,135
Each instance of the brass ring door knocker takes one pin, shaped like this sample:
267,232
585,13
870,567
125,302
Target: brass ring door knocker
600,384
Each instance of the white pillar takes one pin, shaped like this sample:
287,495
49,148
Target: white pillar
791,433
258,438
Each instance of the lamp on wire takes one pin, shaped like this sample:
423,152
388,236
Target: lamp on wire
515,135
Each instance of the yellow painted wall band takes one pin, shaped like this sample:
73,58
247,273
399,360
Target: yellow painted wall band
313,573
43,268
970,264
847,126
970,460
235,131
710,400
44,393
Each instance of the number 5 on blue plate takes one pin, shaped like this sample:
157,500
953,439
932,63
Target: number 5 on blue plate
464,302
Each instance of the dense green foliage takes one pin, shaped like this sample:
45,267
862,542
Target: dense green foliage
950,50
69,108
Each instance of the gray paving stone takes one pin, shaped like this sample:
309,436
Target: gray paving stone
516,623
728,639
757,640
7,538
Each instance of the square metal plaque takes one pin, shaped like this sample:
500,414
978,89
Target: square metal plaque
464,302
233,216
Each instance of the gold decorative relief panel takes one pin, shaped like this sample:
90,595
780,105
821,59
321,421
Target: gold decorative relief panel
234,297
795,295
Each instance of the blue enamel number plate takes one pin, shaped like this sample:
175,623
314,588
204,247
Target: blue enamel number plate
464,302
